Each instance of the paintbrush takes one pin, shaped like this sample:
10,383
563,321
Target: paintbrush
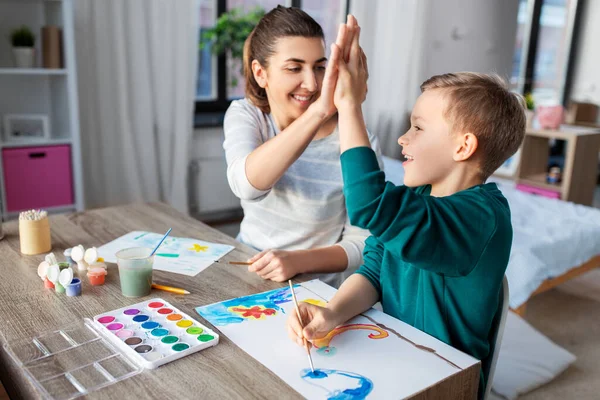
234,262
312,368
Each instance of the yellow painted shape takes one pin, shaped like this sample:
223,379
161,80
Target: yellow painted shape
324,342
197,248
315,302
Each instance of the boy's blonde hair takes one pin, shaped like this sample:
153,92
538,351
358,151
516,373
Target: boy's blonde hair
483,105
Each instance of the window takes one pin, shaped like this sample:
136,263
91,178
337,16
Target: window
544,49
214,91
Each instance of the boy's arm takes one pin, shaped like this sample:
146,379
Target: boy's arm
422,230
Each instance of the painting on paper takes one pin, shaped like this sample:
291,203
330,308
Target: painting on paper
370,356
179,255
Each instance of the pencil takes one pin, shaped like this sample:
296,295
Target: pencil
170,289
302,325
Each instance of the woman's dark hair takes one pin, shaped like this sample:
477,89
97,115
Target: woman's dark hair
260,45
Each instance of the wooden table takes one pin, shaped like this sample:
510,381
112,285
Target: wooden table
223,371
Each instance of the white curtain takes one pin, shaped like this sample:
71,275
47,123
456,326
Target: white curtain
136,65
392,36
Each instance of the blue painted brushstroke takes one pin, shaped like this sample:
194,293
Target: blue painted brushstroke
361,391
218,314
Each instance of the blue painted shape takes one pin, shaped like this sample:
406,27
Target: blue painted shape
363,387
219,315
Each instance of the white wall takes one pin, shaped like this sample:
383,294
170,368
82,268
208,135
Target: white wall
209,190
469,35
586,74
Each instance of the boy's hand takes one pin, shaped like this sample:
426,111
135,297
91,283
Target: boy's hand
318,322
351,87
276,265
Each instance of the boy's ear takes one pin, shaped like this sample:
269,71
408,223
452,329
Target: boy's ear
260,74
466,146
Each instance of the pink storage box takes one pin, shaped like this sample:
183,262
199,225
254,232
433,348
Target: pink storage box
37,177
538,191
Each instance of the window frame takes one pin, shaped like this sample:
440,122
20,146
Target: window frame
210,113
530,47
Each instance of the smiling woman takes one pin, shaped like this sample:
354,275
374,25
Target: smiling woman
282,149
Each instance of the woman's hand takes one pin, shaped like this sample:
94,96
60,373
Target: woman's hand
277,265
318,322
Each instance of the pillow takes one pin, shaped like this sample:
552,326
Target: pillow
527,359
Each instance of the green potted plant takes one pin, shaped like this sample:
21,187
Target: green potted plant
228,37
23,43
530,111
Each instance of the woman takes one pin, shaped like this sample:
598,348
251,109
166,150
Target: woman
282,150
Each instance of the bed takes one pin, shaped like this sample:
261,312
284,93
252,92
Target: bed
553,241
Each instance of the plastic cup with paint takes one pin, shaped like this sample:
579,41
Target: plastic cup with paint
74,288
135,271
77,254
43,270
59,288
48,284
67,254
63,265
96,276
65,277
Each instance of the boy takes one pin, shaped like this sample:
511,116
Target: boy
440,245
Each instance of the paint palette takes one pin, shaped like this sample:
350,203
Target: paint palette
153,332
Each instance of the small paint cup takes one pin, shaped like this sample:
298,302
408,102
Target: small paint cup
135,271
59,288
48,284
74,288
96,276
184,324
63,265
67,254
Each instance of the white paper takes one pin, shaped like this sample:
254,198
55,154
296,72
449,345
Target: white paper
178,255
362,359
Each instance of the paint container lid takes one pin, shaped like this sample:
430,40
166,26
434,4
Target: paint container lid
43,269
67,253
65,277
86,339
91,255
52,273
96,272
97,264
77,253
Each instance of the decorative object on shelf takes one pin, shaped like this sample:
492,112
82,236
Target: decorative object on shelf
554,175
23,44
34,232
52,47
229,34
530,110
24,127
550,117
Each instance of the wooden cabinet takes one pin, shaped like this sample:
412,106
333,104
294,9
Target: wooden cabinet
579,175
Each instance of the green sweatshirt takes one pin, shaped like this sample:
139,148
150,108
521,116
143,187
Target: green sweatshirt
436,262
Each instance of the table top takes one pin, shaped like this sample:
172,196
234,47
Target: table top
227,371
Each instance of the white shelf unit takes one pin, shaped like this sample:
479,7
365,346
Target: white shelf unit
38,90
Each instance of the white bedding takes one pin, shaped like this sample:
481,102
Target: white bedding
549,236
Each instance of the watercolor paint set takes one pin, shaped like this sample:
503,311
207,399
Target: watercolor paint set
153,332
94,353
